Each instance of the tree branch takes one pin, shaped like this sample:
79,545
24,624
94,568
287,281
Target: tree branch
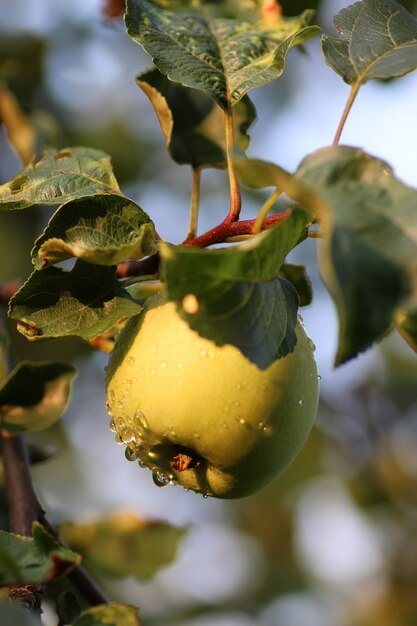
24,509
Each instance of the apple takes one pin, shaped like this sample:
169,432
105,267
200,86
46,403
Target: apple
203,415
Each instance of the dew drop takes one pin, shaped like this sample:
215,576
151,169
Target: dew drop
130,454
196,435
111,395
120,404
118,440
262,426
239,419
120,423
127,435
140,421
109,409
205,495
203,352
300,402
142,463
311,344
160,479
152,370
131,360
112,425
318,377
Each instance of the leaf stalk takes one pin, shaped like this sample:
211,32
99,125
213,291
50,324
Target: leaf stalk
235,196
351,99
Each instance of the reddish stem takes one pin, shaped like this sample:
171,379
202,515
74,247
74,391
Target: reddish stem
225,230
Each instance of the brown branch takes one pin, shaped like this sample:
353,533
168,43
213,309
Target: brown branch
144,267
24,509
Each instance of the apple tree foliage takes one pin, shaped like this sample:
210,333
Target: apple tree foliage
205,63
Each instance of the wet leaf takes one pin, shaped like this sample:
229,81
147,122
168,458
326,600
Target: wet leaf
103,229
368,256
33,560
109,615
125,545
58,177
378,39
86,301
192,123
224,58
235,292
34,395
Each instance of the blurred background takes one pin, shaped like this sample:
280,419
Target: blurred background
332,542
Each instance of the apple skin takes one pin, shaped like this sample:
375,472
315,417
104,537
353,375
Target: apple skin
172,392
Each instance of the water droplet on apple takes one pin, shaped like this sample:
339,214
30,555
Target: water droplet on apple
120,404
152,370
205,495
318,377
131,360
120,423
240,420
163,364
112,425
127,435
301,402
160,479
203,352
141,463
108,408
140,421
111,395
130,454
196,435
118,440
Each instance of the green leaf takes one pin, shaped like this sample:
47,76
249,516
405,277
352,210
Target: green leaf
12,615
125,545
238,298
34,395
86,301
378,39
33,560
109,615
224,58
67,607
297,275
192,123
368,255
58,177
102,229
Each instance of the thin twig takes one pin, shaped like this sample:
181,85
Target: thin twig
225,230
352,95
195,202
266,207
235,197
